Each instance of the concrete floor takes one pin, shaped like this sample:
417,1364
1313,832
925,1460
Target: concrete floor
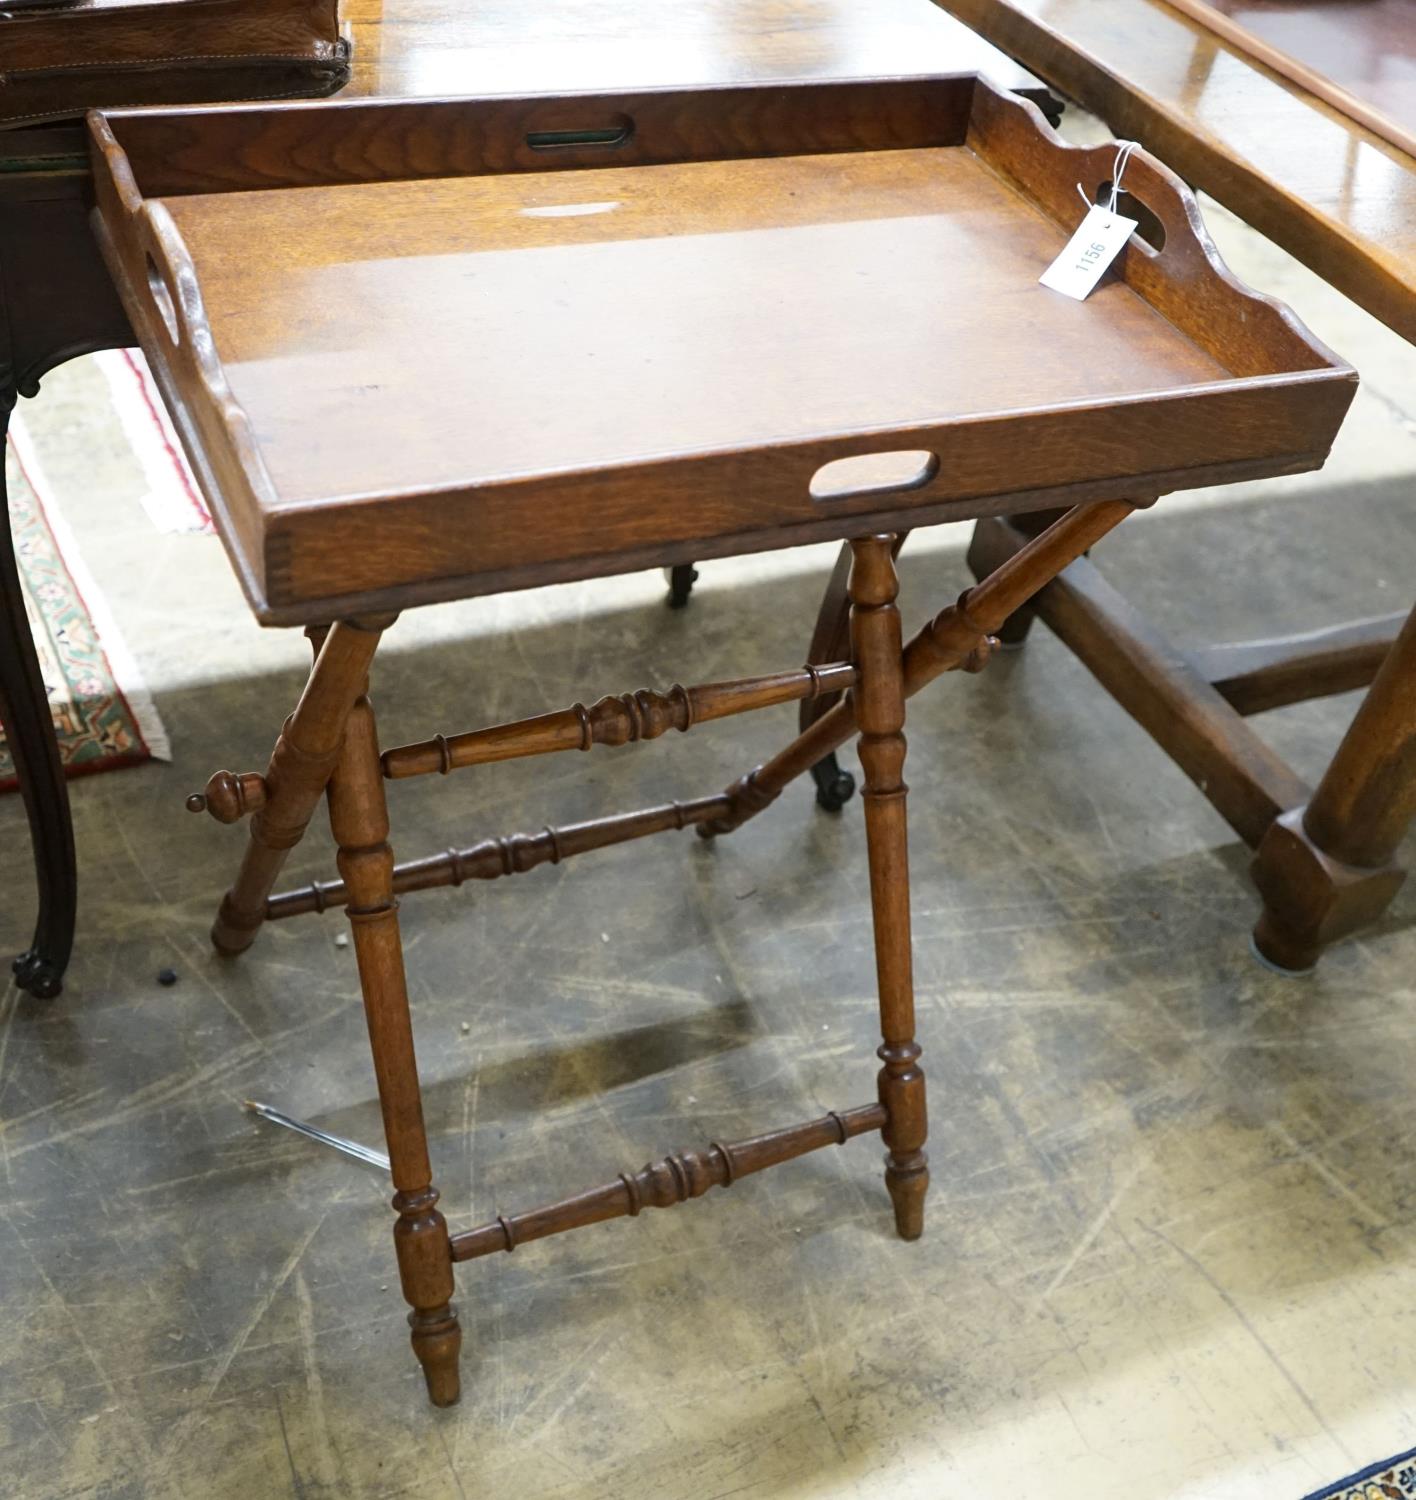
1170,1247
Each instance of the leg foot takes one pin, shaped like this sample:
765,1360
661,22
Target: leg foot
681,581
232,932
437,1341
1272,942
834,787
1311,899
1328,869
37,975
908,1182
29,732
424,1250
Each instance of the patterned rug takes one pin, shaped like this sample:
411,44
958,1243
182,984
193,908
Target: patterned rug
1392,1479
103,716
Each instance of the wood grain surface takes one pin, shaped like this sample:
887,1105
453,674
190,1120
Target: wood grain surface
387,415
442,48
1360,58
1332,193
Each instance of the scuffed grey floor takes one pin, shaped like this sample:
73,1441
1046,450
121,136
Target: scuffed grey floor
1170,1246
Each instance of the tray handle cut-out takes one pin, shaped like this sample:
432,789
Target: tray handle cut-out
1246,332
618,132
874,474
1149,228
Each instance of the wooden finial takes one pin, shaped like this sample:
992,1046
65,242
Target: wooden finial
230,796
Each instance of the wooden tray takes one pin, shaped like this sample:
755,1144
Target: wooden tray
418,350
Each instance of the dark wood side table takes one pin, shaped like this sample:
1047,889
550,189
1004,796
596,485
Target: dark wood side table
1342,201
56,300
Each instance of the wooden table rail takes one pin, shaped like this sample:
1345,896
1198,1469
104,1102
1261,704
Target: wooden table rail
490,859
615,720
668,1181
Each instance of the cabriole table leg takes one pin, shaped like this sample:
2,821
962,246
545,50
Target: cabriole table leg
29,733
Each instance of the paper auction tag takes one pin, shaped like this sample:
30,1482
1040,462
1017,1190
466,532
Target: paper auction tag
1091,249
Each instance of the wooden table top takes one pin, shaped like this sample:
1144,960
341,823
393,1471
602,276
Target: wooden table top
1330,192
1360,58
444,48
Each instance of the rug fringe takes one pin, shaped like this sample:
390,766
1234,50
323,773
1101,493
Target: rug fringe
127,675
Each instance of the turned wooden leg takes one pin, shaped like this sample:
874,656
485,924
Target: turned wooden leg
299,770
1326,869
358,816
880,708
831,641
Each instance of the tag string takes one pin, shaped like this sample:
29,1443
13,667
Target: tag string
1123,156
1124,150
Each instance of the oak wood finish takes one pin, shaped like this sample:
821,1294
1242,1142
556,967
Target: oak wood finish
1342,200
440,48
1246,781
1357,58
880,674
514,854
300,768
230,796
1149,386
58,60
958,637
1330,192
876,645
1326,869
353,778
615,720
737,211
668,1182
358,817
419,48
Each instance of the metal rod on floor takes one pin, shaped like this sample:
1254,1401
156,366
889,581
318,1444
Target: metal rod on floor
356,1149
